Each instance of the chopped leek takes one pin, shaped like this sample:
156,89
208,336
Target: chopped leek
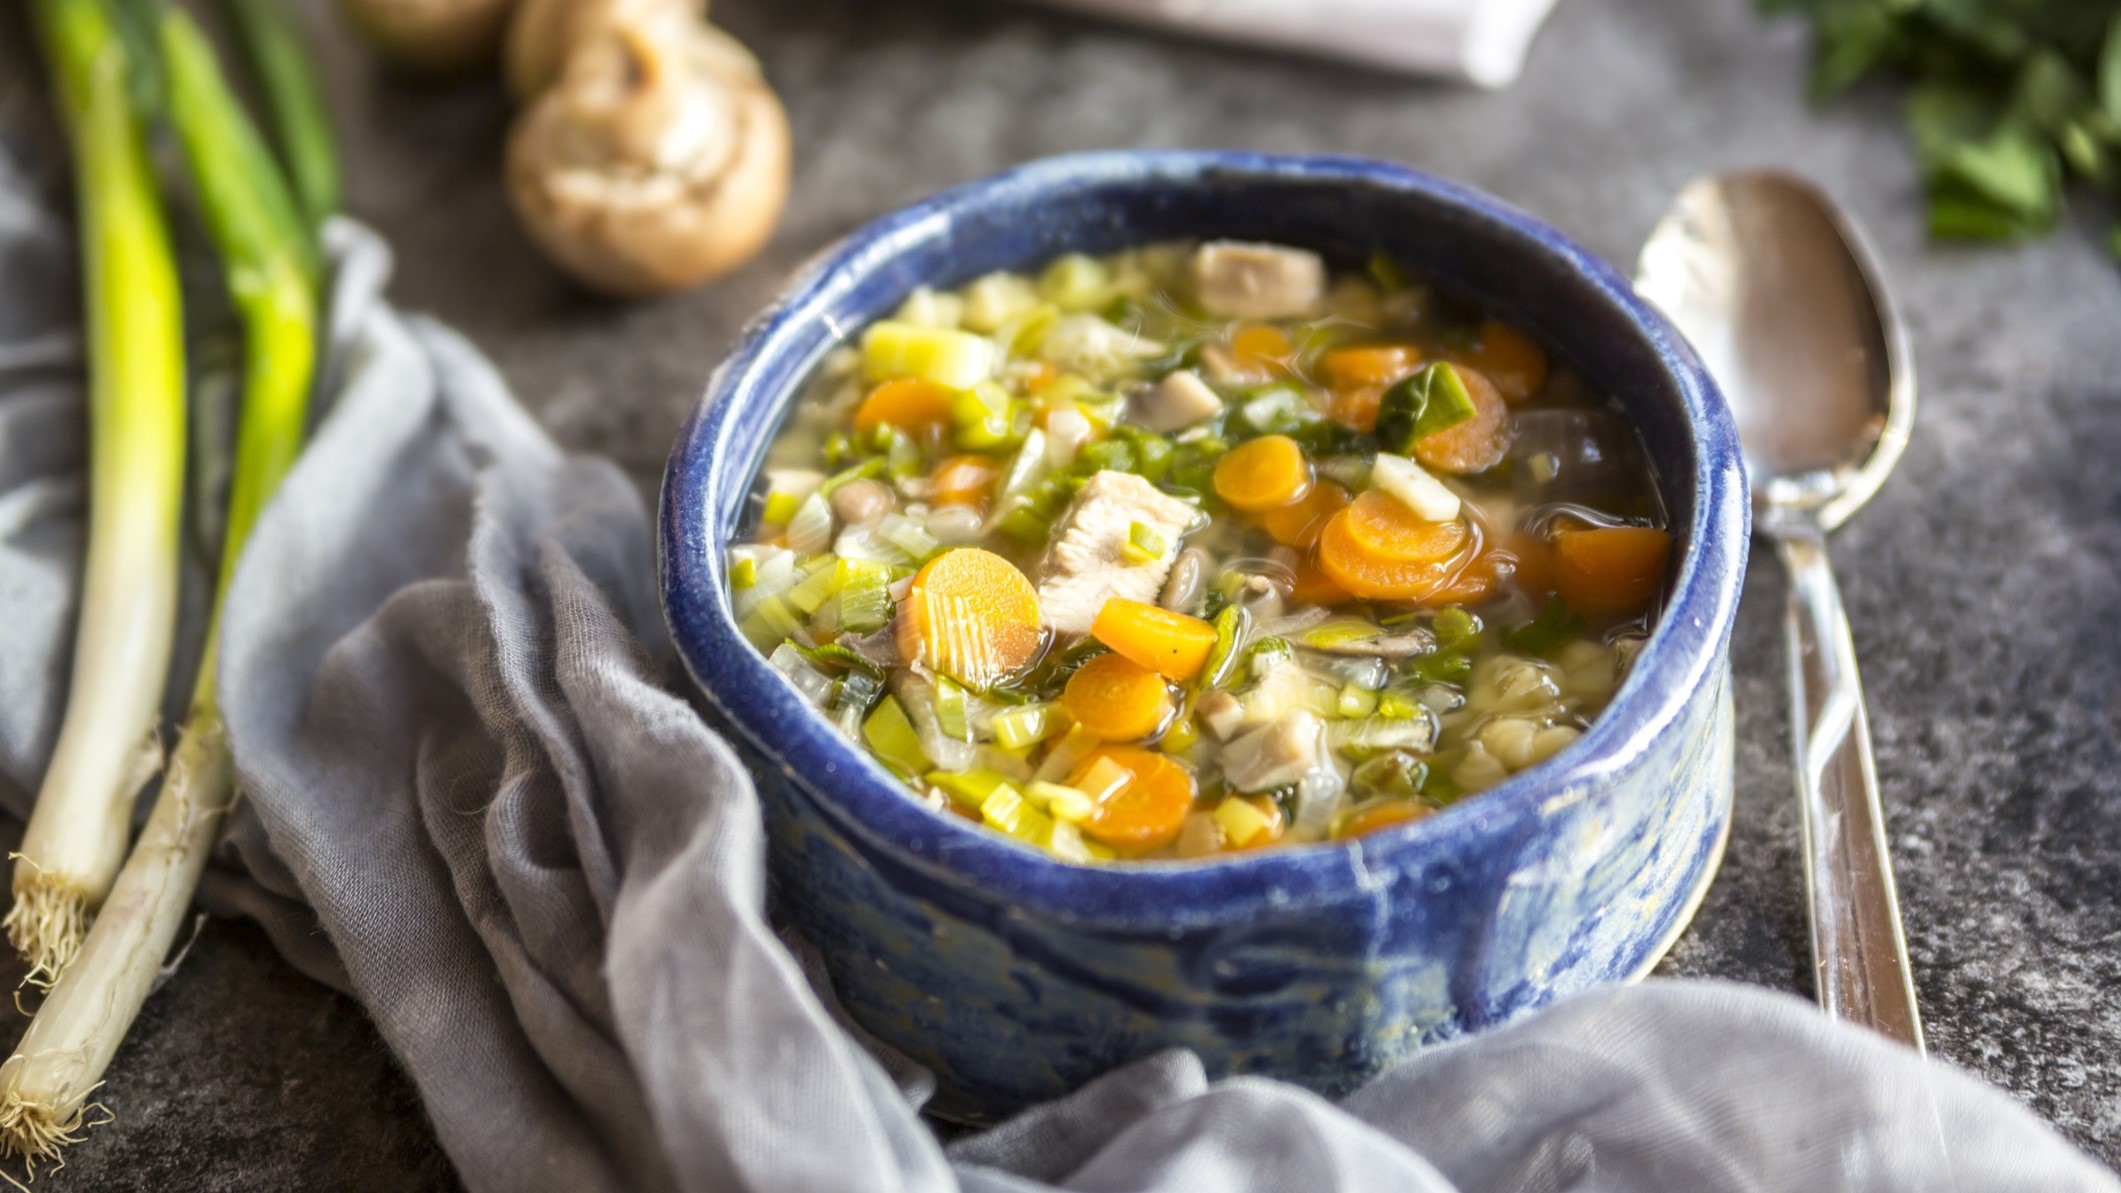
868,469
946,356
1060,801
1456,629
951,714
1339,632
810,592
892,738
1356,702
1026,725
967,787
1076,282
1144,544
1230,627
1065,841
780,508
986,418
744,572
1398,774
996,298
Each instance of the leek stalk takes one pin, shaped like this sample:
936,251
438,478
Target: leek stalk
264,246
294,103
107,747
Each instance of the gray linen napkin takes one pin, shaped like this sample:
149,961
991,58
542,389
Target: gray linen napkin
476,802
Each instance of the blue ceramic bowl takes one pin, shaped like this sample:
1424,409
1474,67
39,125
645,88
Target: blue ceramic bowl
1016,977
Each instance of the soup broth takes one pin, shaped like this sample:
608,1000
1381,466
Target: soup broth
1198,549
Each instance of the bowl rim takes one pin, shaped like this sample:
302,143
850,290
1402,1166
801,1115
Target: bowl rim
858,795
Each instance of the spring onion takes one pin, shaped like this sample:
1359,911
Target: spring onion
107,746
293,102
264,245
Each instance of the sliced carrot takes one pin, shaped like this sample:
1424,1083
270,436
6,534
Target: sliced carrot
1508,357
1470,586
962,480
1148,809
909,403
1171,644
1380,815
1610,569
1299,525
1263,474
1479,442
1117,698
1364,365
1315,587
1357,408
1535,563
1260,347
971,615
1380,550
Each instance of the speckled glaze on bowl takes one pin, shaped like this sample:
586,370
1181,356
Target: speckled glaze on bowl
1016,977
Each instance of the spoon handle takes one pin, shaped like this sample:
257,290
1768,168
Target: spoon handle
1859,951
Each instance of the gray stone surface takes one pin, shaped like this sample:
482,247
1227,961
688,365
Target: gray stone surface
1982,583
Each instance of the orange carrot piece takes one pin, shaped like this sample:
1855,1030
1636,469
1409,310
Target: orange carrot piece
1117,698
1479,442
1535,563
1171,644
1610,569
1508,357
971,615
908,403
1147,810
1381,815
1358,408
962,480
1261,347
1263,474
1299,525
1380,550
1363,365
1315,587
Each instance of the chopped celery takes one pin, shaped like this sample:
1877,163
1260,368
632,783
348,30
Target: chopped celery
1277,410
892,738
1026,468
1372,736
1006,809
966,787
902,459
864,607
1144,544
810,530
1395,775
744,572
996,298
1356,702
945,356
1061,801
1025,332
811,591
911,537
1026,725
1230,627
1397,705
1116,455
951,714
1432,400
1152,452
1241,820
1026,525
987,418
780,508
1556,626
1076,282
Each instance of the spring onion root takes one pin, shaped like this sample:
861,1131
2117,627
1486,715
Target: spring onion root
252,216
77,835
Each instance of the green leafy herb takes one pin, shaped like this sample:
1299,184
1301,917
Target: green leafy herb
1556,626
2007,101
1432,400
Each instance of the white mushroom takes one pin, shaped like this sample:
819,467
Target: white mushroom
543,34
1175,403
658,161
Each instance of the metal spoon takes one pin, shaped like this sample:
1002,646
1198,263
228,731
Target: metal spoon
1779,294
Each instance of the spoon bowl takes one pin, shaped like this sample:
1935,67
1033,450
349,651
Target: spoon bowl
1784,302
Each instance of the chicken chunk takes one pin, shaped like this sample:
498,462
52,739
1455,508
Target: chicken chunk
1238,280
1088,562
1273,755
1175,403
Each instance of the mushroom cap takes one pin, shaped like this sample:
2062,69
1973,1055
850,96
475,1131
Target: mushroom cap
543,33
432,37
659,160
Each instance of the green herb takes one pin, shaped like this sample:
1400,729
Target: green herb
2007,100
1386,271
1556,626
1432,400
